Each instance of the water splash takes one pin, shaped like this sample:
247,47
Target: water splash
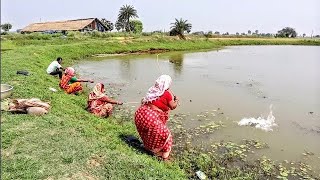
260,122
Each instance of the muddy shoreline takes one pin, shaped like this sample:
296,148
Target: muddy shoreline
135,52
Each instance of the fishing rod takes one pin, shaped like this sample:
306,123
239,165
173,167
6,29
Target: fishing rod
131,102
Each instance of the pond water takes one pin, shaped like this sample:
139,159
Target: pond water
228,85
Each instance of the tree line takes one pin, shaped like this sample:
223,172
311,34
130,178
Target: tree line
286,32
127,22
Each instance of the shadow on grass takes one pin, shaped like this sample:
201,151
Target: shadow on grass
135,143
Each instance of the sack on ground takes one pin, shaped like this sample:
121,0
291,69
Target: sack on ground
37,111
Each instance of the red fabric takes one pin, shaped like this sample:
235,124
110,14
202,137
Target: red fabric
74,88
151,126
100,107
64,82
69,88
163,101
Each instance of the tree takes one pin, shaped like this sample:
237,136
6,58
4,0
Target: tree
179,27
126,12
304,35
136,26
287,32
119,26
6,27
108,24
208,34
257,32
269,35
249,32
237,34
217,33
198,33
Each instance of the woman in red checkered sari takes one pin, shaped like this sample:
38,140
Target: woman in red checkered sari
152,116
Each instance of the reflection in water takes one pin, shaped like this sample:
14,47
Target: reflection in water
125,68
177,60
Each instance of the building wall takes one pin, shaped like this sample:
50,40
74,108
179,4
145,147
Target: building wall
93,25
96,25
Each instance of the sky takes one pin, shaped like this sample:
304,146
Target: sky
267,16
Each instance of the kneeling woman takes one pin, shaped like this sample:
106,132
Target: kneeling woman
70,83
152,116
100,104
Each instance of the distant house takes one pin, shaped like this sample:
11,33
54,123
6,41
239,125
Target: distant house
88,24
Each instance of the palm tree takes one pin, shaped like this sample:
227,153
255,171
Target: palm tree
179,27
126,12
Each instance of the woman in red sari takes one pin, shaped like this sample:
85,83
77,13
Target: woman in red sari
152,116
100,104
70,83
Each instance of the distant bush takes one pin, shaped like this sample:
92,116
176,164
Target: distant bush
117,34
96,34
146,33
198,33
39,36
73,33
136,26
208,34
34,36
155,33
76,35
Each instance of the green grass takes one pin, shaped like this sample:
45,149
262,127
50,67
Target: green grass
69,142
63,143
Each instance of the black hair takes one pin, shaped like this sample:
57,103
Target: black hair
59,59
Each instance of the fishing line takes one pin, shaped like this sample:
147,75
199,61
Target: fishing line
131,102
162,73
158,64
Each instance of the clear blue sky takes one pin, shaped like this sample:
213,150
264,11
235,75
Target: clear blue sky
217,15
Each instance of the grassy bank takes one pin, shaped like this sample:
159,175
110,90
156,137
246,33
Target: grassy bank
70,143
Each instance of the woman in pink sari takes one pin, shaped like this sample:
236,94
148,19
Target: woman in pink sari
152,116
99,103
